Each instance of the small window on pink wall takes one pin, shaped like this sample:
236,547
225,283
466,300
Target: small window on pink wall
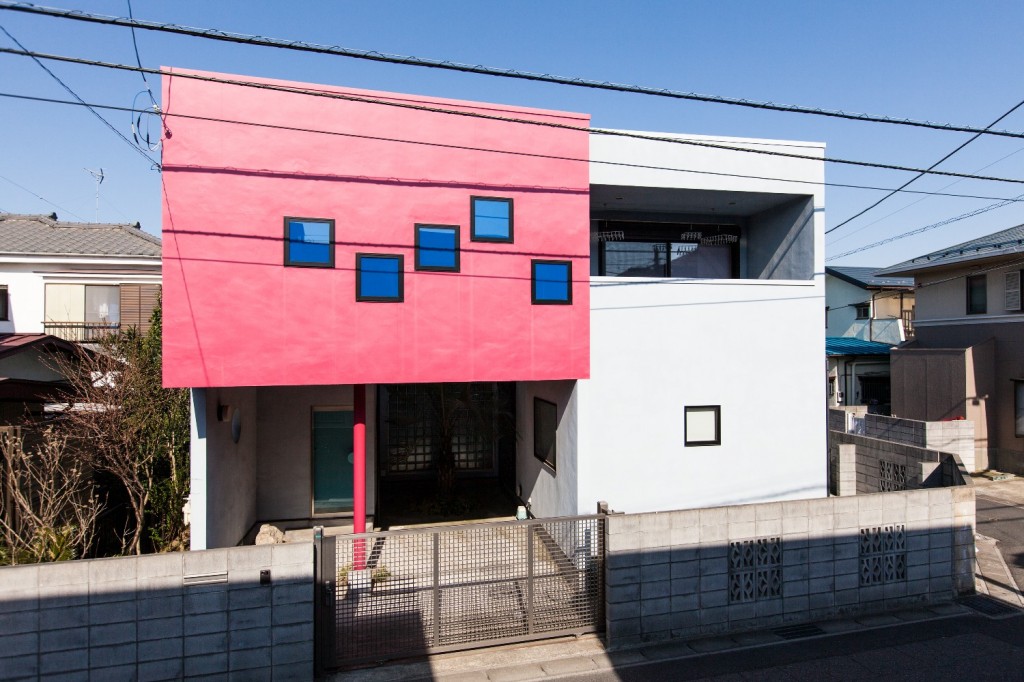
491,219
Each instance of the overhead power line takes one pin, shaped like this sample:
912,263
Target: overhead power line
506,119
75,95
407,60
50,100
971,139
41,198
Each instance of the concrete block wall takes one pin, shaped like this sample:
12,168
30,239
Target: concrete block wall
956,437
876,460
161,617
675,574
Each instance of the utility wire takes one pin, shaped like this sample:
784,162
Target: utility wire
71,92
43,199
505,151
926,228
138,59
507,119
971,139
406,60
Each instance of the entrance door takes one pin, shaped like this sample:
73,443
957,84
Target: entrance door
332,461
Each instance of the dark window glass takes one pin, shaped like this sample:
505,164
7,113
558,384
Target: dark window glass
639,249
863,310
977,295
552,281
699,261
1018,408
379,277
704,425
491,219
5,310
309,242
545,428
437,247
634,259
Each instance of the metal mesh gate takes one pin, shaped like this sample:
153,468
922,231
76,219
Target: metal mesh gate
402,593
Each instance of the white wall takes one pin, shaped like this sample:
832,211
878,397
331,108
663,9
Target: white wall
841,297
754,347
549,492
286,450
26,279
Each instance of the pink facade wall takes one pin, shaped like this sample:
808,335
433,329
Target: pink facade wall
234,315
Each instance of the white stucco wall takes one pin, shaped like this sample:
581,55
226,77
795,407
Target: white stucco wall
26,280
549,492
286,450
841,297
754,347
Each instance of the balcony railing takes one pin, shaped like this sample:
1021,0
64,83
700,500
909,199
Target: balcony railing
81,332
908,323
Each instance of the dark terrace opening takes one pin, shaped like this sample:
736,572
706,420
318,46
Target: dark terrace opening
447,452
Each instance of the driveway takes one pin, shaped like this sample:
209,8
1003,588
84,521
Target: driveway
1000,516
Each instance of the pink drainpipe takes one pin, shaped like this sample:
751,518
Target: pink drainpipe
359,472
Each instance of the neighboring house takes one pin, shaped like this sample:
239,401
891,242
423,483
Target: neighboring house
865,315
967,357
320,287
75,280
29,374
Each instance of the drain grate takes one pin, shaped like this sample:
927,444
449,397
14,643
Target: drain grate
989,607
798,631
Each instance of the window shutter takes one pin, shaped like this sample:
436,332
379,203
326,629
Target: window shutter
1013,290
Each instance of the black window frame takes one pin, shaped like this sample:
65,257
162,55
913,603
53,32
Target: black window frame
5,304
511,221
656,232
458,248
686,426
533,281
288,242
971,279
401,278
537,451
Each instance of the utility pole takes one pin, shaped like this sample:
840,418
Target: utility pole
98,176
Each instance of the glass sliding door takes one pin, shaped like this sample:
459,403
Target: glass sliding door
332,461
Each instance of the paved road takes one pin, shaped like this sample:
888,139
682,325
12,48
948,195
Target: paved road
1002,520
964,648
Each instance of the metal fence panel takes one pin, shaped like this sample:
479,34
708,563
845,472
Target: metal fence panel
403,593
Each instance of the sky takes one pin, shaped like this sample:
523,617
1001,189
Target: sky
942,61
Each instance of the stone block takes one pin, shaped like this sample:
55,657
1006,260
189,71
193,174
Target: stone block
59,662
296,672
210,664
846,597
795,604
623,523
290,634
714,582
894,590
847,581
113,612
741,612
199,624
292,573
160,565
654,555
714,566
869,503
159,628
685,620
623,611
62,596
197,601
205,562
617,629
714,615
19,581
250,638
618,560
710,600
871,593
741,513
718,550
656,627
250,558
684,535
655,589
795,509
655,521
62,640
621,593
116,570
156,671
846,521
111,656
624,542
769,527
19,622
111,590
252,618
712,534
683,554
941,555
684,569
688,602
940,539
821,600
796,588
685,586
768,608
795,557
940,570
655,572
115,633
654,607
23,644
160,649
249,598
742,530
292,613
820,585
821,525
210,643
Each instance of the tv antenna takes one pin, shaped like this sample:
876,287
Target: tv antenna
98,177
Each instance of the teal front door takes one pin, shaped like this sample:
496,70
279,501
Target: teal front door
332,461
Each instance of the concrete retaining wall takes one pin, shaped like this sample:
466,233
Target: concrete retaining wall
956,437
162,616
732,569
859,465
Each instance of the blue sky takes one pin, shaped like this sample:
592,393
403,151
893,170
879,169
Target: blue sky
941,61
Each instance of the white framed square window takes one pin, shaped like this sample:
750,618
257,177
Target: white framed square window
703,425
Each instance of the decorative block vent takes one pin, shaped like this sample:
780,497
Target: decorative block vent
891,476
883,555
755,570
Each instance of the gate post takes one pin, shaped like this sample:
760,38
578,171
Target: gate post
325,573
529,578
437,588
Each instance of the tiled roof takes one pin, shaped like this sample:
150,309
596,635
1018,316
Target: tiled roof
866,277
845,345
40,234
1006,242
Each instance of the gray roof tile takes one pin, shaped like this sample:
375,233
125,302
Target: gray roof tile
41,234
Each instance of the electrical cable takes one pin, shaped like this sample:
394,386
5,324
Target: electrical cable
75,95
507,152
407,60
971,139
41,198
508,119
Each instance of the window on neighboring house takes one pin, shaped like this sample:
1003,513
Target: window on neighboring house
863,310
551,282
437,247
1018,408
977,295
309,242
545,427
5,306
704,425
380,277
81,312
490,219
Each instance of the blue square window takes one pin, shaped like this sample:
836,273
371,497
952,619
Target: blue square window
551,281
491,219
309,242
437,247
379,277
